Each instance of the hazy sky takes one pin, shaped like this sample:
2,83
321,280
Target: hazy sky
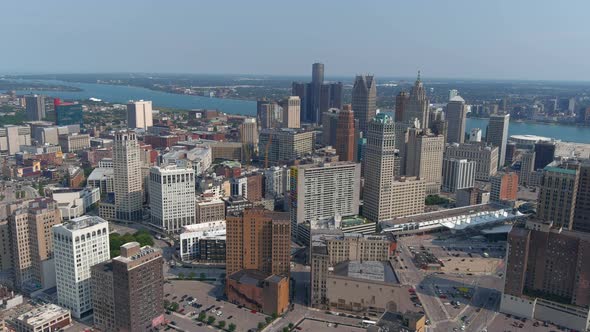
505,39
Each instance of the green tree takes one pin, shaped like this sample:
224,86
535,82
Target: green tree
174,306
232,327
291,325
41,190
221,324
192,275
202,276
261,325
202,316
268,320
180,275
286,329
274,316
210,320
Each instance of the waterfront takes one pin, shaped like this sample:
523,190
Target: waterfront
121,94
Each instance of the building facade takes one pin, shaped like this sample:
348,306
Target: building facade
485,158
557,194
172,197
285,144
458,174
456,114
139,114
35,107
504,187
128,180
291,112
424,156
364,100
497,135
345,135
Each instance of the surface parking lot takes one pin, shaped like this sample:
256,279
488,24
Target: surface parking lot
206,297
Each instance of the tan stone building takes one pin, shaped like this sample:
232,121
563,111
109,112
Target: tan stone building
485,157
210,210
424,158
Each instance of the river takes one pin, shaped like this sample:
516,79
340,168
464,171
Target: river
121,94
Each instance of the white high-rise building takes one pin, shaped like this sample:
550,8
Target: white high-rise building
475,135
291,112
77,246
172,197
128,180
456,115
497,135
458,174
276,181
139,114
249,132
453,93
379,160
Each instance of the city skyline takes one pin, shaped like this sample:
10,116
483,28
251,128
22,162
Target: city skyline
520,46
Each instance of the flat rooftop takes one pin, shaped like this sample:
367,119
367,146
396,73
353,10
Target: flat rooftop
42,314
450,213
367,270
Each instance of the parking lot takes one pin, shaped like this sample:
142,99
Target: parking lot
206,297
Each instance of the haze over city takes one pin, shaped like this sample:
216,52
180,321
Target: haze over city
531,40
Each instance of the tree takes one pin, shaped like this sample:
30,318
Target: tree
180,275
291,325
192,275
174,306
232,327
286,329
221,324
274,315
202,316
210,320
261,325
203,276
268,320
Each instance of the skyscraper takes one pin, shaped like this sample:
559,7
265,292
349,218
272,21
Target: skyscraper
285,144
458,174
345,134
364,100
128,178
485,157
582,210
67,113
504,187
249,132
172,197
557,194
453,93
497,135
544,153
267,113
78,245
417,105
127,291
401,103
139,114
317,97
35,107
379,160
291,112
424,156
527,167
456,114
330,126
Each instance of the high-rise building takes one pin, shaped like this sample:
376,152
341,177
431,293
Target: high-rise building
345,134
378,164
267,114
417,105
258,239
30,226
364,100
557,194
330,126
172,197
127,291
317,97
407,196
249,132
475,135
276,181
35,107
401,103
527,167
582,209
497,135
458,174
12,137
453,93
546,273
67,113
286,144
291,112
424,155
139,114
456,114
486,157
128,178
78,245
504,187
544,154
323,191
510,153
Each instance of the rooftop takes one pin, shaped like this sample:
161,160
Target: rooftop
368,270
42,314
450,213
83,222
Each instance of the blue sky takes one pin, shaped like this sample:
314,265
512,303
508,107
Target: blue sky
501,39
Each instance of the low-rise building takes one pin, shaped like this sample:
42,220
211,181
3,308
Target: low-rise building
48,317
75,202
259,291
203,242
74,142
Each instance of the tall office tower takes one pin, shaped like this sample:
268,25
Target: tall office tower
128,178
417,106
330,126
249,132
291,112
497,135
67,113
317,97
345,134
172,197
486,157
276,181
510,153
546,275
32,247
527,167
285,144
401,104
456,114
437,123
139,114
504,187
322,191
258,239
6,246
424,155
582,210
364,100
557,194
475,135
35,107
266,113
127,291
407,196
453,93
317,73
544,153
458,174
78,245
379,159
13,136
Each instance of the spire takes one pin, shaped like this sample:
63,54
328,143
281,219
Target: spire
418,79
